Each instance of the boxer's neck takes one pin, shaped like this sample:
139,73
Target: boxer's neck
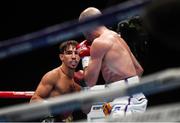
69,74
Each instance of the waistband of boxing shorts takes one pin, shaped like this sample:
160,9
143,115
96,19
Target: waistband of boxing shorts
125,82
128,81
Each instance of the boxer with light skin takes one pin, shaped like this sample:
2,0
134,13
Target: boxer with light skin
109,53
105,50
61,80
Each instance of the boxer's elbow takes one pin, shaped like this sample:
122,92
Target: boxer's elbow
90,79
90,82
141,71
35,98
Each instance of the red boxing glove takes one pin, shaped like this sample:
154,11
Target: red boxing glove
83,49
84,52
79,76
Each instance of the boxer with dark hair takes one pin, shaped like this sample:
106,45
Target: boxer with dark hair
61,80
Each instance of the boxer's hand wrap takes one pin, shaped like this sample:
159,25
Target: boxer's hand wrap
79,77
85,61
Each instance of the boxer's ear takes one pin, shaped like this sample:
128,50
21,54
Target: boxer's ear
61,56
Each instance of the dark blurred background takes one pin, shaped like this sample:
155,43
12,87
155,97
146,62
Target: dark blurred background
23,72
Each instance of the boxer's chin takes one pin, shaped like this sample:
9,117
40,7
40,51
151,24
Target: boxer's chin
73,66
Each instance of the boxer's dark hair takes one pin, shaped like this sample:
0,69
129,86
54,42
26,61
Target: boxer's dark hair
63,46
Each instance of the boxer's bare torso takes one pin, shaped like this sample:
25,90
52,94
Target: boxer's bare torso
118,62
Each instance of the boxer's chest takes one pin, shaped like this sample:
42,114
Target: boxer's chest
64,86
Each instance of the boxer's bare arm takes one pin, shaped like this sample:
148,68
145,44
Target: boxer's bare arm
98,50
44,88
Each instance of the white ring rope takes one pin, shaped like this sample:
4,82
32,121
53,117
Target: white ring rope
161,81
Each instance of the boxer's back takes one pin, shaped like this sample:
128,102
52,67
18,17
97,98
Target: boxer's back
117,62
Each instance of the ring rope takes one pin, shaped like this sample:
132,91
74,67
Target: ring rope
16,94
158,82
56,34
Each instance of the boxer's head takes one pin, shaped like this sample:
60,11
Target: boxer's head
68,54
88,13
